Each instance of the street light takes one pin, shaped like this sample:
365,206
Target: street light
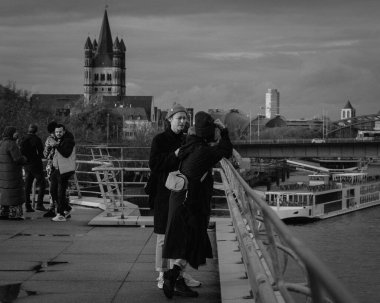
108,126
258,123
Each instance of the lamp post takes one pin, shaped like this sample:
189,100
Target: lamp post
108,126
250,131
258,123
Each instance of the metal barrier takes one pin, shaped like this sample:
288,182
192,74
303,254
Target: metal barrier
267,246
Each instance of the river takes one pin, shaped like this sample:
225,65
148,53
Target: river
350,246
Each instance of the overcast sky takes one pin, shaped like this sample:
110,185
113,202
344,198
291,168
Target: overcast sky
206,53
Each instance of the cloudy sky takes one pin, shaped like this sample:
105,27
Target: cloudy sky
206,53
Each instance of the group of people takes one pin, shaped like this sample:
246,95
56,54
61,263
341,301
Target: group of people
28,153
181,218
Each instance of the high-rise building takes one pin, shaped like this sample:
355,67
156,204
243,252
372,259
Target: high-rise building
272,103
104,67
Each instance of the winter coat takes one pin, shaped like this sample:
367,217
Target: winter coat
11,181
186,234
64,156
32,148
163,160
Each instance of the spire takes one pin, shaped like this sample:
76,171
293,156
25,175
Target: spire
88,44
116,44
105,37
122,45
348,105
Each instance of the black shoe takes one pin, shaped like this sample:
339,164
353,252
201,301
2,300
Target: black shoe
170,278
40,207
49,214
182,290
29,208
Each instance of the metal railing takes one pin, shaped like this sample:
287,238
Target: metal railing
267,247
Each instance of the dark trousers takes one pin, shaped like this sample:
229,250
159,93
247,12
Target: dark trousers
30,175
58,187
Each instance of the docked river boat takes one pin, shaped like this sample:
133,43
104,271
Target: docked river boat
325,195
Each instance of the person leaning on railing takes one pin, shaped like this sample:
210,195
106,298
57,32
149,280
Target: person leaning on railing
186,238
164,159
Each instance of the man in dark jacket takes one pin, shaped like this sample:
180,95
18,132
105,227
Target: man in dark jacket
32,148
63,168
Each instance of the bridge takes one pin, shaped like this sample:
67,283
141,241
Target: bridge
330,148
251,240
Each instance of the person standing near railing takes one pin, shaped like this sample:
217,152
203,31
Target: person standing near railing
186,238
49,150
164,159
63,168
32,148
12,194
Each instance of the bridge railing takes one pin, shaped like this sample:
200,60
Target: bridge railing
267,247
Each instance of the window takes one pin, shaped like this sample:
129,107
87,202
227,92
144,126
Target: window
109,77
96,89
96,77
102,77
109,89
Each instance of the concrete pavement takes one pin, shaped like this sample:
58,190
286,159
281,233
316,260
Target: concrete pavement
74,262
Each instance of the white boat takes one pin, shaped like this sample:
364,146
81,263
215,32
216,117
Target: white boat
325,195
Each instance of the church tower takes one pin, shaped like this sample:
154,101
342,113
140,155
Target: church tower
348,111
104,65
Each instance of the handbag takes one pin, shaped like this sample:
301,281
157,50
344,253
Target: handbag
176,181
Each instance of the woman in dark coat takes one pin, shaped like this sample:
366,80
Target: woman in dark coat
164,159
11,182
186,238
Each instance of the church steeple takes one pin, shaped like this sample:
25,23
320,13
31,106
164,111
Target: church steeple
104,69
105,37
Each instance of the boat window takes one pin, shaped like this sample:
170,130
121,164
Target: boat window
327,197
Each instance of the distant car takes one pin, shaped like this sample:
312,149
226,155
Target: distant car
318,140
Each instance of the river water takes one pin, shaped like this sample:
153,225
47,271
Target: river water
350,247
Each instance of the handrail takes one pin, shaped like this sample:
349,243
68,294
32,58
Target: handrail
251,213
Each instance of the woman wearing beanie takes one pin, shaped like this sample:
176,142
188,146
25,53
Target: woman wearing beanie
164,159
11,181
186,238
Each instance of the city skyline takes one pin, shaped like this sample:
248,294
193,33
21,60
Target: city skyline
214,54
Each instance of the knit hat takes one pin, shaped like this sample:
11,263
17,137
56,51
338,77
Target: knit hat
204,125
175,109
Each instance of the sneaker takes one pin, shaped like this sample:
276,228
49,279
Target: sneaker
59,218
29,208
40,207
182,290
170,278
190,281
67,214
160,280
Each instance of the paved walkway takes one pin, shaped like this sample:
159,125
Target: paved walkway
74,262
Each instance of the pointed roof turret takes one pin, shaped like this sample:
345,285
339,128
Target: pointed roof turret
88,44
116,44
95,44
348,105
105,37
122,46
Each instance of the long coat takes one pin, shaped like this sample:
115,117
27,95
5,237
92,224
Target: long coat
163,160
32,148
186,234
11,181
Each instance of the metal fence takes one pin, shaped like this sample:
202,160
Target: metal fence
267,247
